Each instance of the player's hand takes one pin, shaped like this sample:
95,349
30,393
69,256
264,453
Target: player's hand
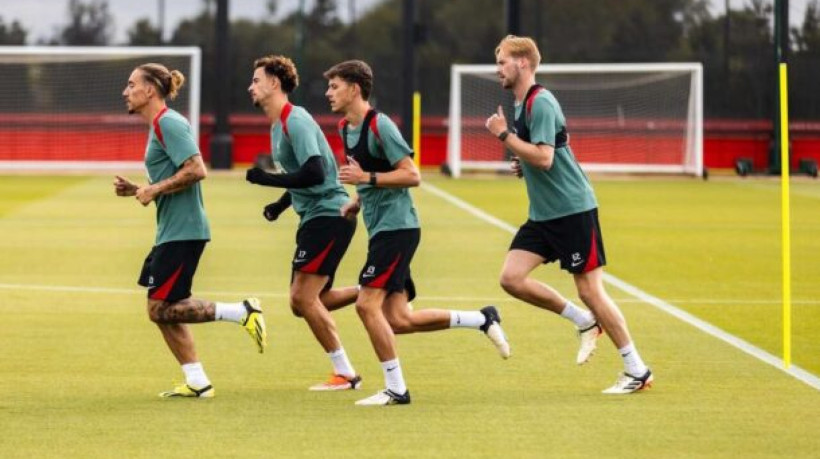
350,209
496,123
255,175
273,210
515,166
124,187
351,173
146,194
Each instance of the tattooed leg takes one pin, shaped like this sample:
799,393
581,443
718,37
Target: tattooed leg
171,319
187,311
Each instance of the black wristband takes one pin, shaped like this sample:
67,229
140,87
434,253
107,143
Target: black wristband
503,136
372,179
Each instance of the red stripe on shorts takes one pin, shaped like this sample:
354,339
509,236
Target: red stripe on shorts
592,260
314,264
162,292
379,281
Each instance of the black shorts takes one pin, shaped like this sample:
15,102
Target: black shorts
320,245
168,270
575,240
389,254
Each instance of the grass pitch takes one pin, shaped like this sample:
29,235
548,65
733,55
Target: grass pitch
81,364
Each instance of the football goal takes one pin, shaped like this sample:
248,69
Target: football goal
626,118
62,108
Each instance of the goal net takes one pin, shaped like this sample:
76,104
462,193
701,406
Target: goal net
62,107
628,118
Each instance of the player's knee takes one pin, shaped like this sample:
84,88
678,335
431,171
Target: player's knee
365,311
402,328
400,324
361,310
154,309
299,302
510,283
589,294
297,308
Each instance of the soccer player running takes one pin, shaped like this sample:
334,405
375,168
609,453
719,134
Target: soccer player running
563,216
311,179
175,169
380,164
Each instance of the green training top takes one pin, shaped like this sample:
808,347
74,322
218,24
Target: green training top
384,209
180,215
564,189
294,139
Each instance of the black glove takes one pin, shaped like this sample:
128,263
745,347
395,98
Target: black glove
256,175
273,210
519,172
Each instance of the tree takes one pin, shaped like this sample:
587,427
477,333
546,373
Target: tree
144,34
89,24
739,80
644,33
324,14
12,34
272,6
752,76
807,37
704,42
251,40
804,66
199,31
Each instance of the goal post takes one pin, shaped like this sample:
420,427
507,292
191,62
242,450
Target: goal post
625,118
61,108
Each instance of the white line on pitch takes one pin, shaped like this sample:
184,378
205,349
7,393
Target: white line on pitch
279,294
128,291
700,324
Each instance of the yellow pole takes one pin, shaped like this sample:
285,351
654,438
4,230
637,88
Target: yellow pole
786,218
417,127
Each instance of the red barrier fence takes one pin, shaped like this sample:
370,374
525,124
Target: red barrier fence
119,137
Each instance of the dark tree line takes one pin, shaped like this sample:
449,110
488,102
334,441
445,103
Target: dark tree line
12,34
735,48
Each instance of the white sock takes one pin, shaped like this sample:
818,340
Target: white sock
580,317
633,364
467,319
233,312
341,364
195,375
393,377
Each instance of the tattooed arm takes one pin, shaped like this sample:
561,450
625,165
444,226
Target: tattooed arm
192,171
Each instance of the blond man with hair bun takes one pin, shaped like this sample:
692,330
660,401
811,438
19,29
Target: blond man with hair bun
175,168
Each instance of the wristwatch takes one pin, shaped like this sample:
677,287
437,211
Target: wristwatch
503,136
373,179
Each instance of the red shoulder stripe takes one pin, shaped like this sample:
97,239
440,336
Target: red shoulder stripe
283,117
374,127
157,129
531,99
341,124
